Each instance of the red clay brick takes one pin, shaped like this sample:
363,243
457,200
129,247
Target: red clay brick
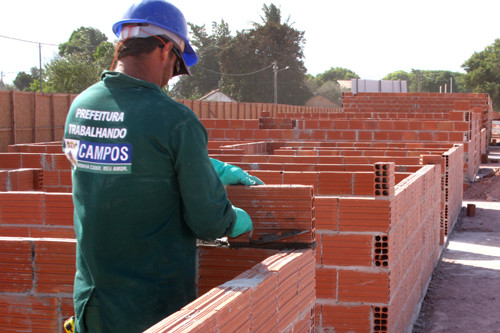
16,270
347,250
357,286
54,266
29,314
340,318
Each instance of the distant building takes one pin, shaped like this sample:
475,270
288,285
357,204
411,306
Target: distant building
381,86
321,101
216,96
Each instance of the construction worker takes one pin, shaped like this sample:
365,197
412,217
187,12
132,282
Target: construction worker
144,188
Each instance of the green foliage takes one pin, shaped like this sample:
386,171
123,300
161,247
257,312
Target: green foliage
430,81
23,81
260,47
246,60
332,90
80,62
398,75
83,42
326,83
71,75
28,82
205,73
483,72
335,74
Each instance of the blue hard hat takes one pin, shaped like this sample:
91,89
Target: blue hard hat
161,14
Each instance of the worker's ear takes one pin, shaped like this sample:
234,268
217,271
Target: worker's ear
166,50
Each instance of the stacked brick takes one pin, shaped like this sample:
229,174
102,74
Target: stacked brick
276,295
368,250
223,110
36,214
377,196
32,117
50,171
37,273
36,283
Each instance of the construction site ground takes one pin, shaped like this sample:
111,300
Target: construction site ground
464,293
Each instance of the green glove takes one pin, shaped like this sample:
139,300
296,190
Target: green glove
243,222
232,175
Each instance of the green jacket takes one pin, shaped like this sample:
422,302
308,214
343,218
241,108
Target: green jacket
144,189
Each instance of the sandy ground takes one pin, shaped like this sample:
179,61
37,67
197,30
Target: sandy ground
464,293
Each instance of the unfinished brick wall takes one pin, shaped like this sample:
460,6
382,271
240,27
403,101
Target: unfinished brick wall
276,295
36,283
32,117
259,288
51,171
422,103
225,110
36,214
378,235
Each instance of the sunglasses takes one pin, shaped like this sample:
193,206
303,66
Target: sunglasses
177,67
178,62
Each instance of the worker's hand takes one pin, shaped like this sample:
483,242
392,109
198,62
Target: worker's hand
232,175
243,222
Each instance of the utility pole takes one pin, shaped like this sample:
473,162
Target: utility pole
40,63
419,83
275,70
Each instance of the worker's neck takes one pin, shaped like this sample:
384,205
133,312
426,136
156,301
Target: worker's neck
140,69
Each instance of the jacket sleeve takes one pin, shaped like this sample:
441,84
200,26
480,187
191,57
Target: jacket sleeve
206,208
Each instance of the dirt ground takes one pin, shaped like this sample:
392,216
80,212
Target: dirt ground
464,293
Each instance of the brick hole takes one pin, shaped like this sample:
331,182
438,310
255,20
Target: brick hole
380,321
381,251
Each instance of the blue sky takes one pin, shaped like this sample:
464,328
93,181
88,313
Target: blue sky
371,38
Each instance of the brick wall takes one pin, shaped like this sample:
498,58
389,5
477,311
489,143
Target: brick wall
240,287
36,283
276,295
34,117
378,197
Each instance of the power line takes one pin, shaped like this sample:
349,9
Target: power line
244,74
39,53
27,41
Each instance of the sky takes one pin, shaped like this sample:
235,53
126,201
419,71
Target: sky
371,38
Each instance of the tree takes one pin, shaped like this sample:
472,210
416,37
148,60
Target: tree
398,75
83,42
483,72
242,66
430,81
206,76
335,74
80,62
332,90
23,81
269,43
326,83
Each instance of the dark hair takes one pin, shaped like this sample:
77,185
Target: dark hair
137,46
